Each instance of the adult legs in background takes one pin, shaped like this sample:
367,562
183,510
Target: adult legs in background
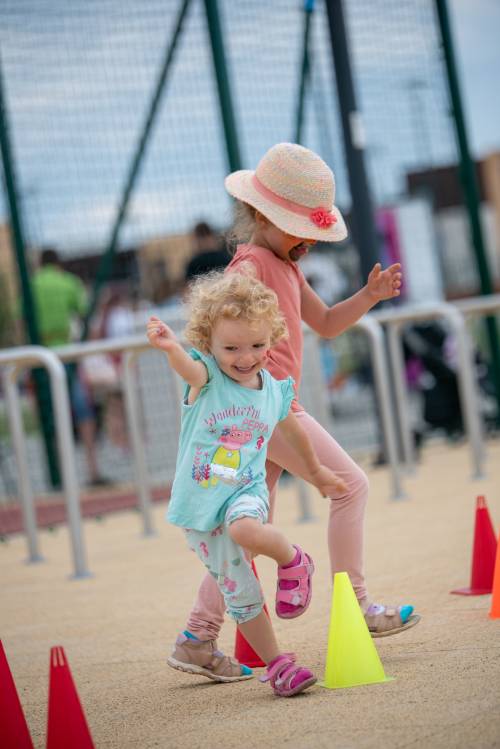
86,424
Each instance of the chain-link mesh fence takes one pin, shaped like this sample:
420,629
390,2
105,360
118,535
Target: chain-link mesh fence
80,79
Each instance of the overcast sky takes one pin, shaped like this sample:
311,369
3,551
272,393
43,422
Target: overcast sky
476,29
79,77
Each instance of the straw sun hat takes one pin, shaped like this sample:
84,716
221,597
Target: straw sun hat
295,190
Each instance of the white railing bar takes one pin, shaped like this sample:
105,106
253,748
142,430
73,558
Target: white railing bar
375,334
14,416
137,439
66,449
478,305
401,394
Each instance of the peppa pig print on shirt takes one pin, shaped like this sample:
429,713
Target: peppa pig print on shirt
223,465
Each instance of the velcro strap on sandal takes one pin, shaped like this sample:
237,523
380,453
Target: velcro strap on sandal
280,669
295,573
380,618
295,596
391,611
377,609
218,660
285,675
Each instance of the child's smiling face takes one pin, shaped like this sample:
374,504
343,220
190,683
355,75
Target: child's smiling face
284,245
240,349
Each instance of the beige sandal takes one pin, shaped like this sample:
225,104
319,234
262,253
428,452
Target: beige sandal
383,621
201,657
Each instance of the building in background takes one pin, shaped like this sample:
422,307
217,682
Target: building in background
8,290
441,188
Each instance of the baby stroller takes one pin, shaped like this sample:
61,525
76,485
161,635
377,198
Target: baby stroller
431,372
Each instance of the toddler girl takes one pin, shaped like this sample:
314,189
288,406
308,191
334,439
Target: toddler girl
219,496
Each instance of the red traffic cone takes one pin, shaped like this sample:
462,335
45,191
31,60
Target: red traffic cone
495,599
483,553
13,727
66,724
243,652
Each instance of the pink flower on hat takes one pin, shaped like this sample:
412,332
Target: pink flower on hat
322,218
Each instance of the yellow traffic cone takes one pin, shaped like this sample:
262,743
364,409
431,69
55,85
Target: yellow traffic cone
352,659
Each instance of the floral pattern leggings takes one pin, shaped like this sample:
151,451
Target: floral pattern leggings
227,562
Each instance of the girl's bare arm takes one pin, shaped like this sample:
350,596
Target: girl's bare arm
329,322
163,338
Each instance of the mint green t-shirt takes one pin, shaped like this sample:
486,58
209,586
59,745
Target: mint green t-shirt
223,445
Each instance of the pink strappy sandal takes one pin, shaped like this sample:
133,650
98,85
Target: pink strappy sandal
286,677
293,598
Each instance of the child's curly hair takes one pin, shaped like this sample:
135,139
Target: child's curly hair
235,296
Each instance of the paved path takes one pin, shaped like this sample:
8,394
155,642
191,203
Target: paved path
117,627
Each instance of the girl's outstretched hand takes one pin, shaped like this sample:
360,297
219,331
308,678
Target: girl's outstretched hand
384,284
328,482
160,335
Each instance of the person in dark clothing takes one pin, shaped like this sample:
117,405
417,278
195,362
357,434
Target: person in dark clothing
210,252
439,383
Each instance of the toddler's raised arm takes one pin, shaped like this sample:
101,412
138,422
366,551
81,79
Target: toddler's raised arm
163,338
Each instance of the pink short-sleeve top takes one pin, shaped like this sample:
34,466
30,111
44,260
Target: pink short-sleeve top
286,279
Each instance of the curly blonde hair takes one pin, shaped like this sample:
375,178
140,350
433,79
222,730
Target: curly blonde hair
234,296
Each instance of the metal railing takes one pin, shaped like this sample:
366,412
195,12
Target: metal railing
13,360
394,319
480,305
371,324
131,346
373,329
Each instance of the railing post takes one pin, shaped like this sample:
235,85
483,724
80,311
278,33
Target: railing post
401,394
23,482
59,391
303,495
375,334
468,391
66,445
137,438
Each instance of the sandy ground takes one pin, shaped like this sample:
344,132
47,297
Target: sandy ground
118,626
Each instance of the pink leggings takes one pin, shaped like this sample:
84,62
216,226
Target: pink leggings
345,524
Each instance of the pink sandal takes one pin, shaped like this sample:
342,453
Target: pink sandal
294,597
286,677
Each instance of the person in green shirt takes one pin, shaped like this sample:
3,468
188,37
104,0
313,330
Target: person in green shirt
59,298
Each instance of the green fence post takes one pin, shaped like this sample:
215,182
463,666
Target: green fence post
224,88
305,69
470,188
364,228
40,376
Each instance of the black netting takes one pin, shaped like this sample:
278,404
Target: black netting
79,78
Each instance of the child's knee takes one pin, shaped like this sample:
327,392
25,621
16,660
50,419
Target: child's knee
361,485
357,489
244,531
